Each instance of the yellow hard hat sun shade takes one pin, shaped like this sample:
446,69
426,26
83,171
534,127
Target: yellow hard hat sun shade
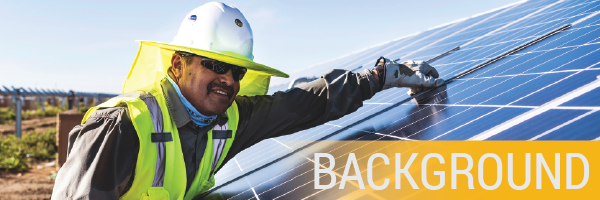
154,60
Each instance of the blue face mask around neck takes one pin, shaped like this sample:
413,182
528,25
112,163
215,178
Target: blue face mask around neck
198,118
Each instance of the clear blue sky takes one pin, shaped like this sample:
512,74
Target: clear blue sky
89,46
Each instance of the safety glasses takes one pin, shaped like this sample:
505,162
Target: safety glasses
219,67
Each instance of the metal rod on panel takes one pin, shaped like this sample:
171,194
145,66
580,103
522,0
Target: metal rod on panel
508,53
444,54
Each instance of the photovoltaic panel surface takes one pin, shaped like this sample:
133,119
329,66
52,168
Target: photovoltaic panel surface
545,91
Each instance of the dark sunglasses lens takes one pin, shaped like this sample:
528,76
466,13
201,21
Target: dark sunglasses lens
240,75
238,72
222,68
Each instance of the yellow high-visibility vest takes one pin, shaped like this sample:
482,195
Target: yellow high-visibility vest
160,171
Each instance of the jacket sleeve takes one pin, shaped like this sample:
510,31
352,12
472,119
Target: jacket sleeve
101,158
335,94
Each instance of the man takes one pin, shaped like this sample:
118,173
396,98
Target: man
190,106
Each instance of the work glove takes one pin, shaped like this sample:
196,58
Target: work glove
418,75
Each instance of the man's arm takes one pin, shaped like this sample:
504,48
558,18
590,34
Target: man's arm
334,95
101,158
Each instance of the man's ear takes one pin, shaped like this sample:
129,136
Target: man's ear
177,66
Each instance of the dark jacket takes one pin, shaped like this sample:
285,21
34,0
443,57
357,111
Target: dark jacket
102,153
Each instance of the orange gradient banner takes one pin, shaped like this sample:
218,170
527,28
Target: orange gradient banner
456,169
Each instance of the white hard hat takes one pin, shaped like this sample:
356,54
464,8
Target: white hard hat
218,27
214,30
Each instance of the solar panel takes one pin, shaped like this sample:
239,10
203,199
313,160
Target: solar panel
529,71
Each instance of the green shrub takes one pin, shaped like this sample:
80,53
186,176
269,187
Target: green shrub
12,154
52,111
41,146
16,153
31,114
6,115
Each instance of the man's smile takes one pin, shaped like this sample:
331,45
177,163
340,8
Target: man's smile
221,90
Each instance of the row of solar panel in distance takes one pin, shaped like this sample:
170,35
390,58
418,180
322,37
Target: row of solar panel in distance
429,121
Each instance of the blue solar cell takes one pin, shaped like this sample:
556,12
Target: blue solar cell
499,48
492,50
584,35
528,27
486,91
585,128
397,113
540,29
556,90
431,52
471,33
514,14
481,123
543,62
517,87
595,20
538,125
514,61
562,39
458,57
432,121
448,71
566,12
582,58
590,7
591,98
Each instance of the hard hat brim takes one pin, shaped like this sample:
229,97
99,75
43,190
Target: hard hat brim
153,61
224,56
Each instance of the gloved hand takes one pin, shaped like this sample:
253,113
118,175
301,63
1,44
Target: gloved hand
418,75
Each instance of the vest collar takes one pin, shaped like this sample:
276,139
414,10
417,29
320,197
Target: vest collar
177,109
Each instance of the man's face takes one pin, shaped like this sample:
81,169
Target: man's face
210,93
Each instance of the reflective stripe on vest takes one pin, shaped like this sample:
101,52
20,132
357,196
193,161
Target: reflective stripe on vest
158,137
220,135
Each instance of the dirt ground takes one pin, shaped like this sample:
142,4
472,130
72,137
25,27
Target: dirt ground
34,184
